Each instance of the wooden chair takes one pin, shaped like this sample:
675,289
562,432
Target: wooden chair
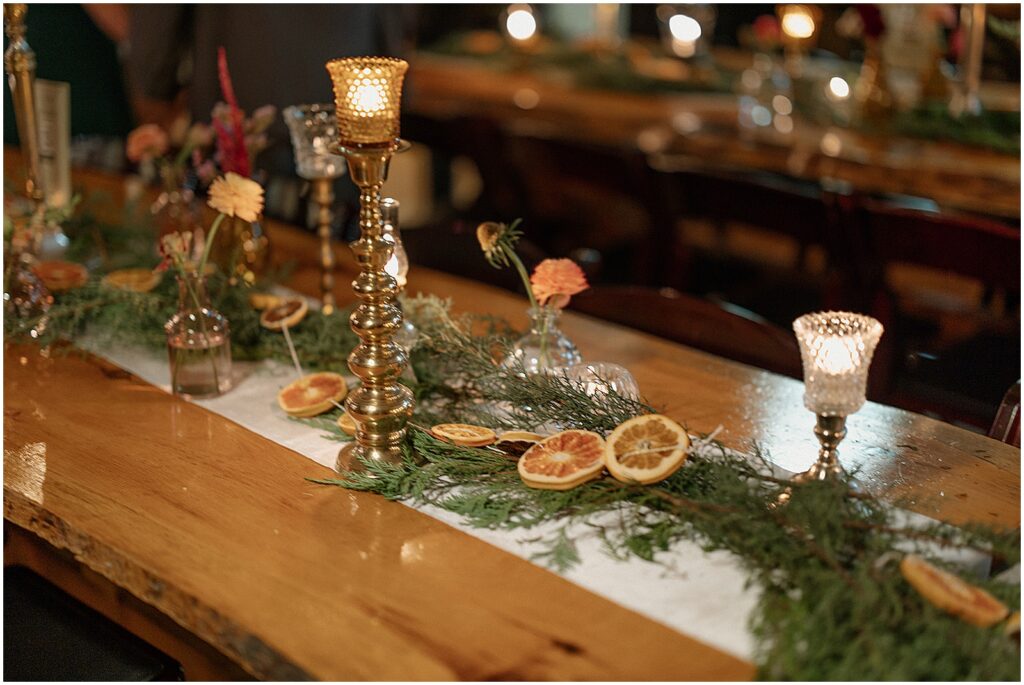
1006,426
722,329
918,365
581,196
806,213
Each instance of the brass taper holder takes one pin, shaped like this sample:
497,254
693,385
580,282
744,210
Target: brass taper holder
20,65
323,196
367,94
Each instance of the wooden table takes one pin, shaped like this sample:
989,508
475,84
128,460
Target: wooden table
206,540
703,129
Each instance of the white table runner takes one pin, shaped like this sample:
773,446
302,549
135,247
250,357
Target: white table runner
698,593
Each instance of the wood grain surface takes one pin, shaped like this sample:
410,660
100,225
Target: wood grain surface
216,527
702,129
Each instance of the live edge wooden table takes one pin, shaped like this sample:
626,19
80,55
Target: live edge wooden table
206,540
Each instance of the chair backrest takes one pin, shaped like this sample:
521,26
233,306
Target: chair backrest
725,330
1006,426
970,246
798,209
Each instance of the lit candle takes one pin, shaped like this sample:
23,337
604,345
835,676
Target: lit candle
367,91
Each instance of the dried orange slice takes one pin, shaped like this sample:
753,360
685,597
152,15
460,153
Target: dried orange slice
952,595
1012,625
288,313
347,423
646,449
136,280
264,300
58,275
563,461
515,443
313,394
464,434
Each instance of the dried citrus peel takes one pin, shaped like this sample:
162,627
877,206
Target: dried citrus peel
313,394
646,449
563,461
951,594
464,434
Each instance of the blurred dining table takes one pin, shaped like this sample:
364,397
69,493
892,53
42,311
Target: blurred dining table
702,128
205,538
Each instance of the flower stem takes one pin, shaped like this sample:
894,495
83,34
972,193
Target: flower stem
518,263
209,242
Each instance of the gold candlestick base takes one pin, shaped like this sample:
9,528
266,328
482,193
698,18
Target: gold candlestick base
381,407
830,431
323,195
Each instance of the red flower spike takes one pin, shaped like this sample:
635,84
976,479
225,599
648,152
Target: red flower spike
236,153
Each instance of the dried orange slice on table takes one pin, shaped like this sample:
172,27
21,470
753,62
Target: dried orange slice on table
646,449
347,424
952,595
288,313
313,394
264,300
515,443
563,461
58,275
135,280
464,434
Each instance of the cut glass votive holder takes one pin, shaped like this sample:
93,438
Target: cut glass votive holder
836,350
314,133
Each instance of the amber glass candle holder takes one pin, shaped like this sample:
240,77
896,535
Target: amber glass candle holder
367,98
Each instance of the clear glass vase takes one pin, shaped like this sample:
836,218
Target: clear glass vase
198,343
545,348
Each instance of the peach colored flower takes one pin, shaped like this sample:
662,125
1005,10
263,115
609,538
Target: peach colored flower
146,142
236,195
556,280
488,234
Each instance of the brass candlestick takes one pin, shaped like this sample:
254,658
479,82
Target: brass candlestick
323,195
20,64
367,95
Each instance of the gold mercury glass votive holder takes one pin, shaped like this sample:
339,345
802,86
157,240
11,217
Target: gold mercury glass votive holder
367,98
836,349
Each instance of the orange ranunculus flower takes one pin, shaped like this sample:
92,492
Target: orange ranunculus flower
236,195
556,280
146,142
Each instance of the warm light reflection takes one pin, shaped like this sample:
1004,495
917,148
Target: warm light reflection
838,88
684,28
520,23
25,470
834,356
797,22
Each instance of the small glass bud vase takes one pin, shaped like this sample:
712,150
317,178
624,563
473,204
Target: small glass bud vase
198,343
545,347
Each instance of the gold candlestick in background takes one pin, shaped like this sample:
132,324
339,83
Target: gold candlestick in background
20,64
367,92
323,196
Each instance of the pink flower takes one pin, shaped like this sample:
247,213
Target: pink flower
146,142
556,280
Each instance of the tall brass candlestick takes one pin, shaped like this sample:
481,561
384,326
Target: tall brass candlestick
367,95
20,64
